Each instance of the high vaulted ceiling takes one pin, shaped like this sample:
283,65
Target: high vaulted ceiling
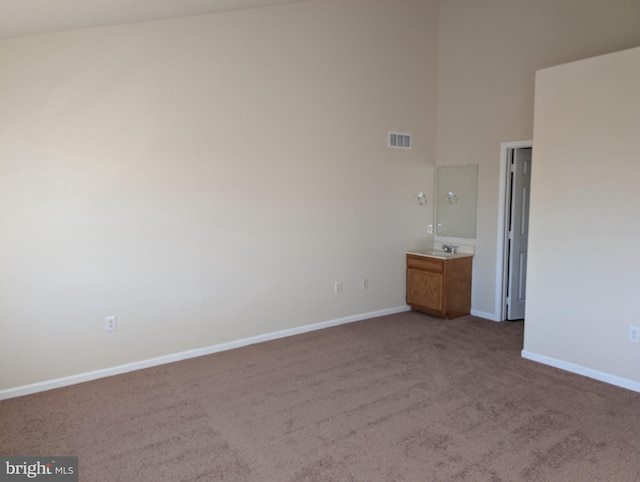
28,17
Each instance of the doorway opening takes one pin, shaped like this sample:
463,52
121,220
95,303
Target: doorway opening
513,229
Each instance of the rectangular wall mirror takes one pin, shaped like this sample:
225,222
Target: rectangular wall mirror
456,197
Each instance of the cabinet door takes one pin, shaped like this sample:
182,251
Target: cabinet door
424,289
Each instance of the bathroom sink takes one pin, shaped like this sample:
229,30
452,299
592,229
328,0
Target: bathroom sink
438,253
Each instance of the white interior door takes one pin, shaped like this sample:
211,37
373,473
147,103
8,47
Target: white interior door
518,232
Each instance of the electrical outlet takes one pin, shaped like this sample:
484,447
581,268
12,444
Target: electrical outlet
110,323
634,334
365,284
337,287
430,229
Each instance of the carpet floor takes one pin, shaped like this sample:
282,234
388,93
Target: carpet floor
405,397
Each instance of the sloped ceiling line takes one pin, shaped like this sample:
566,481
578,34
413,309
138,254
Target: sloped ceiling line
30,17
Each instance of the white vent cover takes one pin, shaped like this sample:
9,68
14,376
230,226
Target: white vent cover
399,140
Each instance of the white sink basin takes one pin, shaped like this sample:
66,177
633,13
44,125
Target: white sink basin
438,253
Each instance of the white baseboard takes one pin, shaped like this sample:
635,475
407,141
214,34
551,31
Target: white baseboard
161,360
482,314
580,370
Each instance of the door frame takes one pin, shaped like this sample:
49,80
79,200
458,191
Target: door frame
502,265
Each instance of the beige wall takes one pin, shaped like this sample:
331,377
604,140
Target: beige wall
208,179
488,54
583,281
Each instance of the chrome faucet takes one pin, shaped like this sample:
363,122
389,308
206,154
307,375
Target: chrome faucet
449,248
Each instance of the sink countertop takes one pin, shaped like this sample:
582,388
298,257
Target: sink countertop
438,253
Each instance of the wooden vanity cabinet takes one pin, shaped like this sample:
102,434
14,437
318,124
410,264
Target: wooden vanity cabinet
439,287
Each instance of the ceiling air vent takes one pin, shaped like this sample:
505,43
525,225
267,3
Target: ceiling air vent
399,140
